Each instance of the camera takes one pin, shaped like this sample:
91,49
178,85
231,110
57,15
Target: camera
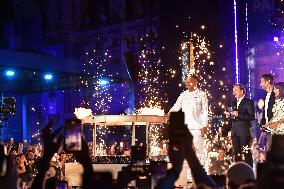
73,135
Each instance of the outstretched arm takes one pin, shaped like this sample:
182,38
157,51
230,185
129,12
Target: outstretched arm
84,158
51,144
176,155
274,124
177,105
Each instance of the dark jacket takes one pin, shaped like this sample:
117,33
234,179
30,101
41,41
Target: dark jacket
269,110
241,125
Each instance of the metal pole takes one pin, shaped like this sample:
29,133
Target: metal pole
94,139
147,138
133,134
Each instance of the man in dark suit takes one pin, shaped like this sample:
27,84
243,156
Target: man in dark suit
243,113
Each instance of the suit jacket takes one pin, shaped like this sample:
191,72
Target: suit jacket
241,125
271,102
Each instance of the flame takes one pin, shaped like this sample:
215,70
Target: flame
151,111
82,112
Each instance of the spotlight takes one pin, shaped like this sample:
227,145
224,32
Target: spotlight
275,39
48,76
103,82
10,73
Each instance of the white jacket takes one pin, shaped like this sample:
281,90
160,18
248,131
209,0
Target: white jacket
195,107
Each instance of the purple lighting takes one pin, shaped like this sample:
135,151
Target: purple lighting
249,69
236,43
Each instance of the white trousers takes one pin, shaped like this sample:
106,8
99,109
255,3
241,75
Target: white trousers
198,141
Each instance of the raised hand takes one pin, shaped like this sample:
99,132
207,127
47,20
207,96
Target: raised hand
51,141
83,156
51,144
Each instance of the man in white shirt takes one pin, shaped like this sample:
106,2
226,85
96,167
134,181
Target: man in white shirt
266,83
194,103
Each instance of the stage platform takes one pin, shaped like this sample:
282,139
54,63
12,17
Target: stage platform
74,171
124,120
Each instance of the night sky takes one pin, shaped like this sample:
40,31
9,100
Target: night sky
25,32
216,16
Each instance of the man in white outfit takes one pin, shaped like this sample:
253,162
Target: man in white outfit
194,103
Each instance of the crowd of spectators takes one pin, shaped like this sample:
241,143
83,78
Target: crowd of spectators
42,166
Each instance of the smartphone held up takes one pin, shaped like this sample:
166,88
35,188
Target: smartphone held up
73,135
